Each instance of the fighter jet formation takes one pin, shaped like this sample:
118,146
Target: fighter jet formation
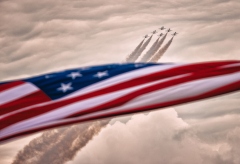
161,34
155,52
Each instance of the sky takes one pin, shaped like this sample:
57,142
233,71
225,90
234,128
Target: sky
43,36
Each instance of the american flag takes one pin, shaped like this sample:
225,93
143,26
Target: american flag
83,94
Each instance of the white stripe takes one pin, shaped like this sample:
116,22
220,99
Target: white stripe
17,92
104,84
186,90
231,65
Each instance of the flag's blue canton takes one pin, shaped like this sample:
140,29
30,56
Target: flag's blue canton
60,84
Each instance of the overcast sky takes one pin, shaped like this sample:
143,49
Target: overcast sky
43,36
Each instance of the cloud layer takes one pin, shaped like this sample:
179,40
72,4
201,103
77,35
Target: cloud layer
75,33
159,137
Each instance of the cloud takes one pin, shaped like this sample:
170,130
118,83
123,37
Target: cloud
159,137
79,32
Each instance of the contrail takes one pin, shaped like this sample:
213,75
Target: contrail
30,153
75,139
160,53
59,146
150,52
141,50
147,57
159,44
134,53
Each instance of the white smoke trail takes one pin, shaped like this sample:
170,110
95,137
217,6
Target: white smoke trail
31,152
159,44
139,52
160,53
150,52
156,48
134,53
59,146
73,141
134,58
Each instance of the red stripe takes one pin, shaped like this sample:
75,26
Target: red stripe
10,85
31,99
31,113
223,90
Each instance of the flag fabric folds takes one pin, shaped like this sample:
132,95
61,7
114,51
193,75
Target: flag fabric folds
83,94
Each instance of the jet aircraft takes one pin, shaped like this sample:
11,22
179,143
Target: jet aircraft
154,32
160,35
174,34
169,30
162,28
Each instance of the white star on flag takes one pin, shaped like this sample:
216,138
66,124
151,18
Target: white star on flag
73,75
138,65
65,87
48,76
101,74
